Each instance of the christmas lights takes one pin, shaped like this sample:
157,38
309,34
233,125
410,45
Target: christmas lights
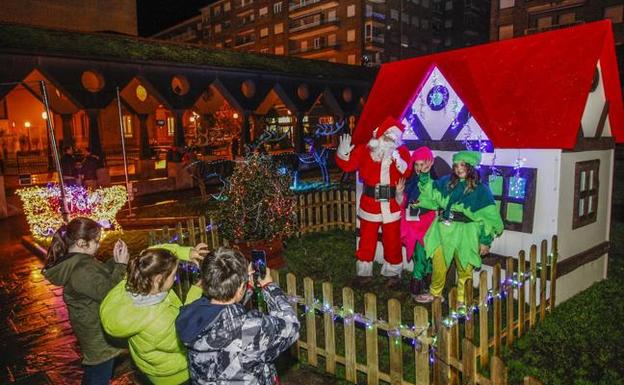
42,206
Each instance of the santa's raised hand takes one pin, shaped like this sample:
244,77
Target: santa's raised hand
400,163
345,147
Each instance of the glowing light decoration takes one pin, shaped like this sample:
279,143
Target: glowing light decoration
42,206
438,97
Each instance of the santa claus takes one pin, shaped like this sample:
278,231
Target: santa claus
380,164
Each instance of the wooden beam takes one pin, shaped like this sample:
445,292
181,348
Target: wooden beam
572,263
593,144
603,119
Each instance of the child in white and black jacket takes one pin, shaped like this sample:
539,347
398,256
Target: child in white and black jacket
225,343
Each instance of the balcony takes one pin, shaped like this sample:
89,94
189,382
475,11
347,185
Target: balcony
243,4
241,41
314,50
531,31
375,43
376,16
301,8
312,26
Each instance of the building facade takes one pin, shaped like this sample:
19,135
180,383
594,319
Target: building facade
118,16
513,18
350,32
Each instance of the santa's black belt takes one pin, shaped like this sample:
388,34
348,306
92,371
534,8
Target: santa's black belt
381,192
455,216
418,211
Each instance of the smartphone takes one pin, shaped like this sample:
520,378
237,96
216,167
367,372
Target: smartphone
258,260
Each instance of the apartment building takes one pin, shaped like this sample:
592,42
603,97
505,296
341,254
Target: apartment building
359,32
512,18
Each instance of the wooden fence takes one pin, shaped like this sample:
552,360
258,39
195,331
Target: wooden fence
449,344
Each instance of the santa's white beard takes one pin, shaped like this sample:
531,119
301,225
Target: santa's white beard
381,149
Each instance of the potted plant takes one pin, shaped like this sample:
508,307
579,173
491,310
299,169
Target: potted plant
259,209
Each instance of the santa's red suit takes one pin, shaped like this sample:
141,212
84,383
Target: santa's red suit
378,205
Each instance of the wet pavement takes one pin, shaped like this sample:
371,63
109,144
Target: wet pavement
37,344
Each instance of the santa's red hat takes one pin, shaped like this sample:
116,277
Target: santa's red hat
389,126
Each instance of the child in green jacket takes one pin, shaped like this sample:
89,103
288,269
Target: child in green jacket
143,309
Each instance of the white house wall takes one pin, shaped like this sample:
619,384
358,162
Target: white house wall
593,111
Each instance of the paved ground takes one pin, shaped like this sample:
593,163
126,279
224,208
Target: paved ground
36,339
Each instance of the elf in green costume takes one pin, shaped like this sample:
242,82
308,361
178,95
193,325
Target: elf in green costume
467,223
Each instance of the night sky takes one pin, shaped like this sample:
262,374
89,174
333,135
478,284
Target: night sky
156,15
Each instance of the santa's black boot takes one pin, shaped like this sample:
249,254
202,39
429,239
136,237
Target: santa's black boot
416,287
426,283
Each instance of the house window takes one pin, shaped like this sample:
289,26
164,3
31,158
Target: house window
351,10
614,13
331,15
368,31
279,50
394,14
505,32
216,11
170,126
544,22
263,12
277,7
514,194
127,126
264,32
351,35
586,185
506,4
279,28
316,42
351,59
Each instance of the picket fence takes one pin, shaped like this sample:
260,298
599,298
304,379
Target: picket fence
447,342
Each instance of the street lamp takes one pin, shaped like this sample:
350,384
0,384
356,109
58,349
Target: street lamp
27,125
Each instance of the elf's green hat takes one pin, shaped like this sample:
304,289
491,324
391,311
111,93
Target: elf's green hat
472,158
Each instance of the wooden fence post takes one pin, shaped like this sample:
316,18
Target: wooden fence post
302,212
436,314
469,298
453,337
443,357
533,287
339,219
395,342
469,363
332,207
330,333
510,300
180,234
553,273
324,214
496,289
348,304
543,275
213,235
498,371
308,293
291,289
521,293
372,355
203,237
310,219
421,321
484,339
190,224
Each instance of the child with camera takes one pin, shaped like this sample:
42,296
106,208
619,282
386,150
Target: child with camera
227,344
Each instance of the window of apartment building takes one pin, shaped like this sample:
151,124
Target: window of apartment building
567,18
216,11
264,32
331,15
447,42
304,45
277,7
425,3
615,13
227,7
279,50
170,126
415,21
585,193
351,59
351,10
404,41
405,18
228,43
394,14
351,35
227,24
264,50
424,24
317,43
505,32
127,126
368,31
278,28
369,10
448,5
506,4
331,40
416,2
219,45
218,28
245,3
448,23
544,22
264,11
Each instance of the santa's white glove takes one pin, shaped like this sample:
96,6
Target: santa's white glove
345,147
401,165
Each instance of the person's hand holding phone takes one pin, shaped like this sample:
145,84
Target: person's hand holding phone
263,281
198,253
120,252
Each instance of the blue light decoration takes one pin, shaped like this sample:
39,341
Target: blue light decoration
438,97
517,184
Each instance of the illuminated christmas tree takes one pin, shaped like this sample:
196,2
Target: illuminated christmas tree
259,204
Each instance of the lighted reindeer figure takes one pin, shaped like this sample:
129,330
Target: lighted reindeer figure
317,154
